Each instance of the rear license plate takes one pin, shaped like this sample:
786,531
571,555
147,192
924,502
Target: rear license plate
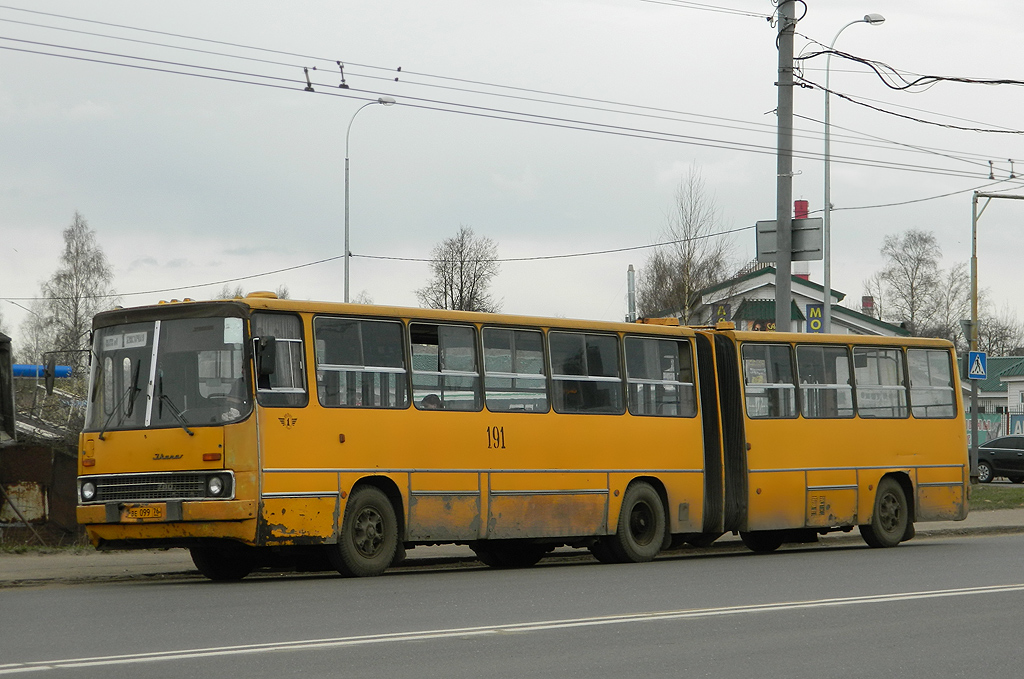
143,513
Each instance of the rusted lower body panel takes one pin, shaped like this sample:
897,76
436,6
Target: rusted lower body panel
547,515
299,521
941,494
444,517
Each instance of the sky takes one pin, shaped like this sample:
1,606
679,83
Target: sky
553,128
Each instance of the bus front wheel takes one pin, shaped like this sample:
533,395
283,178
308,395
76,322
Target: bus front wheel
223,561
369,534
889,520
641,529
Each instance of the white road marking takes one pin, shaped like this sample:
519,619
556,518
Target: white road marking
519,628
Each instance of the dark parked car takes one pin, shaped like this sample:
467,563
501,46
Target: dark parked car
1003,456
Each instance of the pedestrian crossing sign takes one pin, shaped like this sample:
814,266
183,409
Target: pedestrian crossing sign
977,365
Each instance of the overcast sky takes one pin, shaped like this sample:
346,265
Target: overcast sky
191,180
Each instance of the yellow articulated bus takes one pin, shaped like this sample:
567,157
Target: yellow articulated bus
263,431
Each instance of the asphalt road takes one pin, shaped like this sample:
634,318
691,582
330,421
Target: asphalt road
937,607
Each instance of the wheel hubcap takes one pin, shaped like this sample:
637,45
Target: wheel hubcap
641,523
889,512
368,533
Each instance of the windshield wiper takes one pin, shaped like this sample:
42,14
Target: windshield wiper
164,398
130,393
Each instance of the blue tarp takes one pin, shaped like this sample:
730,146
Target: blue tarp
22,370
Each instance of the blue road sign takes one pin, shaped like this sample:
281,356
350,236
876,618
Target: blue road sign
977,365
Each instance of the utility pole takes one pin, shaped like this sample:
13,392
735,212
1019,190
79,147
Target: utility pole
975,215
784,180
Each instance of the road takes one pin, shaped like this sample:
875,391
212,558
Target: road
935,607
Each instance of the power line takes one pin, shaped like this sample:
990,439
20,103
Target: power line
571,255
389,258
684,4
742,125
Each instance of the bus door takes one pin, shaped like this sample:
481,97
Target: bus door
734,441
725,462
294,502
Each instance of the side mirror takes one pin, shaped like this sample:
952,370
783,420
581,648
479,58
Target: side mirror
266,356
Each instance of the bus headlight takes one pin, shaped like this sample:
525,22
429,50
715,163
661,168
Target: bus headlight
88,491
215,486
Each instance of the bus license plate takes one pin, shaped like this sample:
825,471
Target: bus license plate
143,512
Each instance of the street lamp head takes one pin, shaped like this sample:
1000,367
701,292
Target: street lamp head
390,101
874,19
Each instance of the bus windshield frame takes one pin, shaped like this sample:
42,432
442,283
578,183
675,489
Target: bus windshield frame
158,373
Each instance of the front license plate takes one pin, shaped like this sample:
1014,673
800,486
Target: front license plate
142,513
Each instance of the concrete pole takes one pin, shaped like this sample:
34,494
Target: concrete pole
974,331
784,179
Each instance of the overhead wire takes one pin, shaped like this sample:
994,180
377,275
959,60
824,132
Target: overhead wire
745,126
741,125
488,112
438,105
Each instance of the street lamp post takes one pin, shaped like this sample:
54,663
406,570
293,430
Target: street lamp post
973,339
386,101
873,20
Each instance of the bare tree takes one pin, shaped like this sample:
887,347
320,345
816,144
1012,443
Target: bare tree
78,290
912,277
362,298
952,302
1000,333
696,258
227,292
461,269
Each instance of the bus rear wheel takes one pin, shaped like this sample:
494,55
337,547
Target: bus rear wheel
369,534
508,553
762,541
223,561
642,527
889,520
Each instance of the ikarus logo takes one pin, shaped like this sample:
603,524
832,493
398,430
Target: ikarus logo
288,421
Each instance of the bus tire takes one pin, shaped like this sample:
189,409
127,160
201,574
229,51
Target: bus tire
602,550
223,561
369,534
984,472
762,541
642,526
508,553
889,520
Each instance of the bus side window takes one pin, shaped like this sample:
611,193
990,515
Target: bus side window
585,373
768,380
881,388
286,385
360,363
514,378
444,367
931,383
826,390
659,377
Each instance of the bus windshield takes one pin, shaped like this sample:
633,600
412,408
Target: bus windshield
172,373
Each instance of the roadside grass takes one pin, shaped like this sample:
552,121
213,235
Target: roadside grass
996,496
36,548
